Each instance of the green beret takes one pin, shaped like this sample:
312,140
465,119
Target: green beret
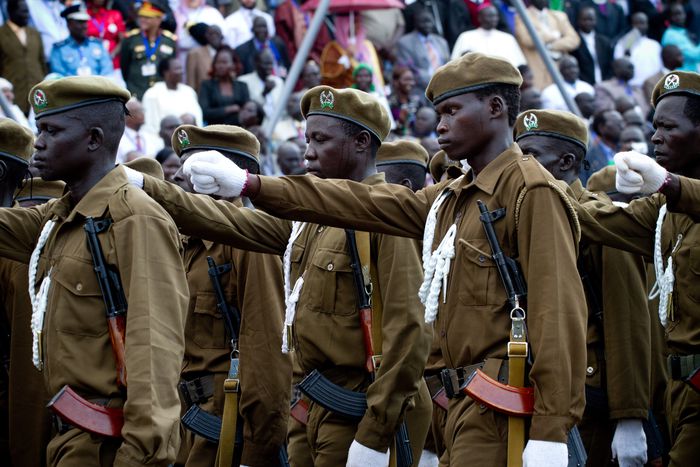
147,166
16,141
348,104
471,72
676,82
229,138
402,152
553,123
603,180
60,95
38,189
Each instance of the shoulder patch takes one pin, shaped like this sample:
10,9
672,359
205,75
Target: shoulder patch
62,43
533,173
133,32
169,35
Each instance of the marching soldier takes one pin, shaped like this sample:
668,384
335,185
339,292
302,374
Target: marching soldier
80,122
403,163
252,285
144,47
617,390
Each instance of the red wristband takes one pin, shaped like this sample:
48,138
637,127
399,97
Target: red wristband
245,184
667,180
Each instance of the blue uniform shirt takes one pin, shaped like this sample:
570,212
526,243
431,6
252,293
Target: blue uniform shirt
72,59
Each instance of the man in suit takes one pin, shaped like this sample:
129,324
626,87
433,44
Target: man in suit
595,54
21,52
421,50
261,40
672,58
607,92
611,20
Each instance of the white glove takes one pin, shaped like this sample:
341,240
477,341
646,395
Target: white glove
545,454
629,444
637,173
362,456
212,173
134,176
428,459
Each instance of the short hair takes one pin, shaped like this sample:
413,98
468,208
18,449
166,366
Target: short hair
600,119
352,129
413,172
164,154
259,111
510,94
164,65
576,149
691,109
109,116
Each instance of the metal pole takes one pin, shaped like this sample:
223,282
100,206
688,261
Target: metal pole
297,66
548,62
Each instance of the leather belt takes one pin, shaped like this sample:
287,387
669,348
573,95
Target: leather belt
197,390
681,366
453,379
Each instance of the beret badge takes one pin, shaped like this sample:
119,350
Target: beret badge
183,138
327,99
672,82
530,122
40,99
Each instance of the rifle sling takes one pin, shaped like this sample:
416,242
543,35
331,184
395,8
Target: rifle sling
227,438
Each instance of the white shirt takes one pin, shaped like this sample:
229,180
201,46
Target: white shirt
492,42
589,40
238,26
256,87
150,144
645,53
203,14
159,102
552,98
46,17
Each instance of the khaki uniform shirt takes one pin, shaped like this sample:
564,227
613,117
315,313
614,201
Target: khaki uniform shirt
327,332
620,282
254,286
473,322
143,244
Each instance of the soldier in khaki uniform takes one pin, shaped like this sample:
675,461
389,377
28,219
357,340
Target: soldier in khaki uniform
322,314
80,122
403,162
476,97
254,286
619,362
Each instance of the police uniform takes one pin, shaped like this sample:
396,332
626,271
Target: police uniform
618,369
254,286
139,59
473,320
73,346
326,333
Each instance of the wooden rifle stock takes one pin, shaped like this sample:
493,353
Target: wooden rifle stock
85,415
117,335
300,411
440,399
510,400
366,323
364,305
694,379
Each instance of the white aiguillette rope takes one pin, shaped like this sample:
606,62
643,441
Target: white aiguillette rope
663,288
290,296
436,265
40,298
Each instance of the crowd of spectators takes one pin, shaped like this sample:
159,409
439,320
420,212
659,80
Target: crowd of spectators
210,62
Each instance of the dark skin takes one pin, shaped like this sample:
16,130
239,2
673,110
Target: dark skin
167,128
184,182
11,174
676,138
225,74
488,18
425,24
18,12
77,30
260,28
548,151
264,64
586,20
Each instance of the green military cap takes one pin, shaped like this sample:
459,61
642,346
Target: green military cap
603,180
60,95
348,104
218,138
38,189
676,82
402,152
553,123
147,166
471,72
16,141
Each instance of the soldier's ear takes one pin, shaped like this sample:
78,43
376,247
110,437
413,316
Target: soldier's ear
363,140
567,161
97,137
497,106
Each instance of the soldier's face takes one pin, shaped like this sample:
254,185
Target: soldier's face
60,147
544,149
676,137
179,178
459,120
330,153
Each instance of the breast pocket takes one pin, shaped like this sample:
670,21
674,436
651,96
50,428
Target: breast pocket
207,323
329,287
694,266
476,275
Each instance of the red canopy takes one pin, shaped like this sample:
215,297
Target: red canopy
346,6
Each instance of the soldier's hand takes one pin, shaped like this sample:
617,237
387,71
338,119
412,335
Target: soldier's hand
637,173
212,173
545,454
629,444
362,456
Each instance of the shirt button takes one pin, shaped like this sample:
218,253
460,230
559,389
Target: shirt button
443,333
330,266
482,258
79,287
320,229
590,370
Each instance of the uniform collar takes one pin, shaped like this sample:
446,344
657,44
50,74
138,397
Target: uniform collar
577,189
375,179
95,201
488,178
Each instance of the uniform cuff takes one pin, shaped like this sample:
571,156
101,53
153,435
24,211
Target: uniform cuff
550,428
258,455
271,188
687,201
629,413
373,434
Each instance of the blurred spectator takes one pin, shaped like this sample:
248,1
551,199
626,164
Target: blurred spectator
290,159
291,24
268,165
47,19
450,17
79,55
170,163
586,104
238,26
654,11
489,40
142,49
552,98
17,114
632,117
362,76
608,91
677,34
251,115
167,127
556,32
425,123
133,154
645,53
632,139
431,145
264,87
421,50
21,54
530,98
310,75
199,59
594,54
192,12
292,124
261,40
188,119
222,96
611,21
108,26
528,79
134,138
672,59
623,103
607,126
170,96
384,27
405,99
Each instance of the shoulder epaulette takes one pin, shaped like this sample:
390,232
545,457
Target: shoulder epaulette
533,173
62,43
169,35
133,32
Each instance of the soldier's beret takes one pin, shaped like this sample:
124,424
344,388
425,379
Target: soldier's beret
38,189
60,95
471,72
76,12
218,138
603,180
440,164
402,152
152,9
147,166
348,104
553,123
16,141
676,82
